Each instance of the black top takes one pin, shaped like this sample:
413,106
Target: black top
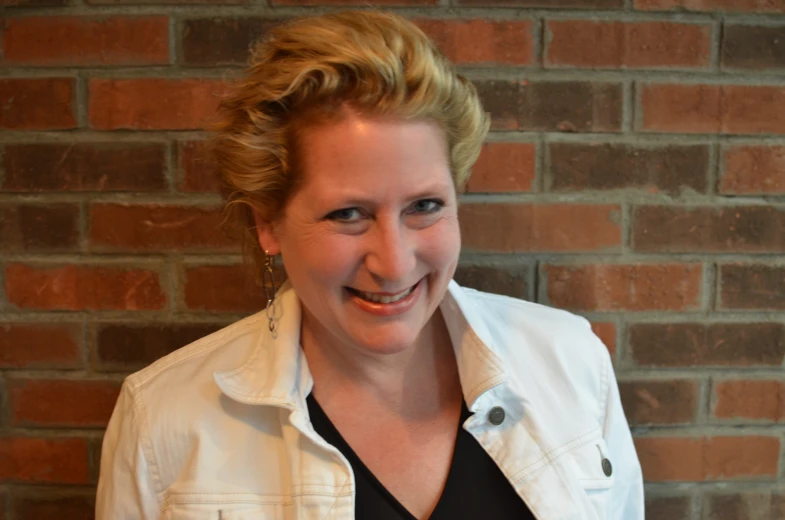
475,486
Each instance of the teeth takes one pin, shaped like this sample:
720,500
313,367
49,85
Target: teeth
385,299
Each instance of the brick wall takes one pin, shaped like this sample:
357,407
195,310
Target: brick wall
635,173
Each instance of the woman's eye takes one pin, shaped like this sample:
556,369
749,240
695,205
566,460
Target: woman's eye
427,206
345,215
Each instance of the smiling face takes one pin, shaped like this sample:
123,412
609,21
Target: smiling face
371,238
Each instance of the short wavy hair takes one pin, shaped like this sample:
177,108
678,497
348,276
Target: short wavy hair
306,72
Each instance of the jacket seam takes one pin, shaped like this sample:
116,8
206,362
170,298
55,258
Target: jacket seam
146,442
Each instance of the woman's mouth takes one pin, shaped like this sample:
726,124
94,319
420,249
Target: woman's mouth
382,298
386,304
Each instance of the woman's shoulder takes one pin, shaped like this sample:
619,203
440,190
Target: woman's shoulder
195,363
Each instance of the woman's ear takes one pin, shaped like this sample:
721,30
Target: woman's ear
266,235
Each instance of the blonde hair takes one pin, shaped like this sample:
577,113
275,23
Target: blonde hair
303,73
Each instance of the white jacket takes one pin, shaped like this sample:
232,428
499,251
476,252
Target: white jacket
220,430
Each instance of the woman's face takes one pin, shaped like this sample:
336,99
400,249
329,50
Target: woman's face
371,239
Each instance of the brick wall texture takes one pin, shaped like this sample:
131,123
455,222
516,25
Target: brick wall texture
635,174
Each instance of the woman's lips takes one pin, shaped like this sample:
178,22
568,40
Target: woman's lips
387,309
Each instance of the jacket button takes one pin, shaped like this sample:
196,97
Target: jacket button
607,467
496,415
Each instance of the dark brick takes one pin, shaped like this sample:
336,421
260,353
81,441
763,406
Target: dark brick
752,287
37,103
133,346
717,344
199,172
53,504
224,288
501,100
85,167
507,279
209,42
753,47
571,107
581,4
754,229
668,508
604,166
37,227
659,402
749,505
33,3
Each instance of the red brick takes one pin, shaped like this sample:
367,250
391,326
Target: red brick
82,287
726,109
222,288
78,40
613,44
152,227
39,345
764,6
659,402
166,2
361,3
753,170
130,347
608,166
507,278
558,106
753,47
700,345
668,507
504,167
509,228
37,103
481,42
750,504
676,229
199,171
50,461
581,4
606,331
751,399
85,167
152,104
666,459
611,287
38,227
54,505
62,402
210,42
751,286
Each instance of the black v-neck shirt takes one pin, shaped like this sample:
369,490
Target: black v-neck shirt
475,487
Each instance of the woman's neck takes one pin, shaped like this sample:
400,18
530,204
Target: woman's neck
414,383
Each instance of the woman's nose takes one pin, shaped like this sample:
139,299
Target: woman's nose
391,254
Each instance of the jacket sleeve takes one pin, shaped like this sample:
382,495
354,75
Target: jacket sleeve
626,501
127,483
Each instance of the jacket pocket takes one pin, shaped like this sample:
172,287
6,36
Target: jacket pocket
221,507
593,468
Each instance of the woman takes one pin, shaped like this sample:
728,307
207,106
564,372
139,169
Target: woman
373,386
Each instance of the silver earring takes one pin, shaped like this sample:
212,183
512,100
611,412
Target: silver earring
270,287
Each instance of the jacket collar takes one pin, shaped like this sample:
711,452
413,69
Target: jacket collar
276,372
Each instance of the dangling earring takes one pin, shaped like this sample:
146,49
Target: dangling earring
270,288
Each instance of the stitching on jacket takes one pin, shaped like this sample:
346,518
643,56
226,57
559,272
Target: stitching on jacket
146,442
574,444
